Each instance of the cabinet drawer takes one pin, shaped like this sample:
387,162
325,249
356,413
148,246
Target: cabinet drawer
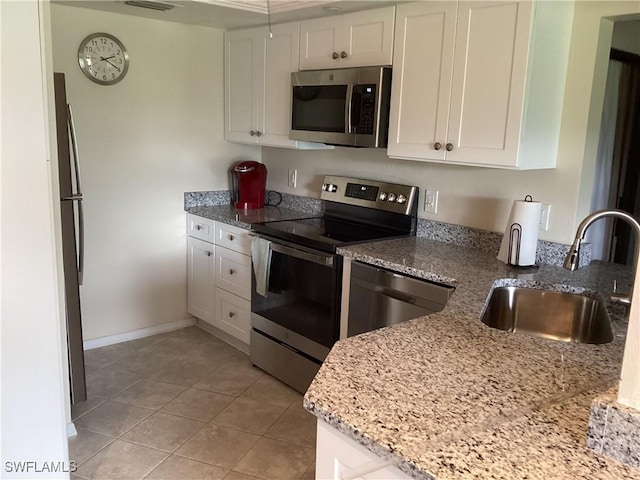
200,227
232,315
233,272
233,238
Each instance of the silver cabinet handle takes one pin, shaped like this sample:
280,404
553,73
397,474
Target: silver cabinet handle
335,55
232,271
198,227
437,146
343,54
449,147
231,237
232,314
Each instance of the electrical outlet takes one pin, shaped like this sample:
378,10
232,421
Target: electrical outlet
545,209
293,177
431,201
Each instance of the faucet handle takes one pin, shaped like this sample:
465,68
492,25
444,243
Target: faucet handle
623,299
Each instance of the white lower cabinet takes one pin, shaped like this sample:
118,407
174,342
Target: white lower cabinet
232,314
337,455
219,275
200,278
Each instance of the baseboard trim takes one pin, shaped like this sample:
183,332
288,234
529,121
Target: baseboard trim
71,430
135,334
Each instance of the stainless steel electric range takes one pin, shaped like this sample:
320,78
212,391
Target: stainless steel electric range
297,275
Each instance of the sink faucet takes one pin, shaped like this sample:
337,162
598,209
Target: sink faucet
573,257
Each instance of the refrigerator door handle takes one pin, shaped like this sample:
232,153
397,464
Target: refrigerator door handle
78,195
74,146
80,242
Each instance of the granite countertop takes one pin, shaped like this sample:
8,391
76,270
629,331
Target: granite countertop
452,398
244,218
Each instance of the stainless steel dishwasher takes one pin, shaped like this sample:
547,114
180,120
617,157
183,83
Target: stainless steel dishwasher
379,298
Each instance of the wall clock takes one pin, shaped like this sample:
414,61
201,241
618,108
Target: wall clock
103,58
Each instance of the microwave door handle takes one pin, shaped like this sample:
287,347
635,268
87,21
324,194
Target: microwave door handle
347,108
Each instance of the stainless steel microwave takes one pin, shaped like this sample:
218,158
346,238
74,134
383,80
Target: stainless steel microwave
348,107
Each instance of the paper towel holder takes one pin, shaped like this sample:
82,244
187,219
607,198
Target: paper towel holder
515,238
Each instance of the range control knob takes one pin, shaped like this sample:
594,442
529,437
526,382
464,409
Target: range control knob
391,197
401,199
332,188
383,196
324,187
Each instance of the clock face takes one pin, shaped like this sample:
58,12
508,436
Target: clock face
103,59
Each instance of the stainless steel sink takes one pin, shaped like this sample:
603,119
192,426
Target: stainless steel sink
568,317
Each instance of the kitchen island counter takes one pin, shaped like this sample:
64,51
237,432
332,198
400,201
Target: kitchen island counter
452,398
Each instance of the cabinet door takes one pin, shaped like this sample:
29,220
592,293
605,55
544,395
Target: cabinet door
368,38
233,315
422,72
200,278
337,454
319,40
280,58
488,90
242,68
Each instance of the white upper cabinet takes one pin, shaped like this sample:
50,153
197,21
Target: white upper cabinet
258,85
353,40
479,83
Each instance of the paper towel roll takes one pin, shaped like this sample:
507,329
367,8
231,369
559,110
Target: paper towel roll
522,228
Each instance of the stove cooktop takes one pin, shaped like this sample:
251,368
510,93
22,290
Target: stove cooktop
355,211
325,233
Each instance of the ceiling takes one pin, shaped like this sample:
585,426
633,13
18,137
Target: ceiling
230,14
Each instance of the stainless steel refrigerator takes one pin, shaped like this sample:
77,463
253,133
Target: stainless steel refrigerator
72,236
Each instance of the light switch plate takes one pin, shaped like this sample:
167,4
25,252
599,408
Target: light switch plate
431,201
293,177
545,209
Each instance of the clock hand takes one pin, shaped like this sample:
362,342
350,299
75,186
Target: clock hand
106,58
112,64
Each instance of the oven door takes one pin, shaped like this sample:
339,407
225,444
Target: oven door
299,301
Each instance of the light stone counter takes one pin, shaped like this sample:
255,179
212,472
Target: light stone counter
453,398
245,218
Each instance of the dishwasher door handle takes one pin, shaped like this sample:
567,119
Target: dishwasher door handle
403,297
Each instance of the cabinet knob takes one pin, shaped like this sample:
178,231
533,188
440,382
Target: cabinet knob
449,147
437,146
209,254
198,227
232,314
231,271
335,55
231,237
253,133
343,54
258,133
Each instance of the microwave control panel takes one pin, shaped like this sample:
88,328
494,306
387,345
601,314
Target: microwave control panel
367,108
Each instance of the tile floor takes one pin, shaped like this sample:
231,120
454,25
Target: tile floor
185,405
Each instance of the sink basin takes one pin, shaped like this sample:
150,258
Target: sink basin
568,317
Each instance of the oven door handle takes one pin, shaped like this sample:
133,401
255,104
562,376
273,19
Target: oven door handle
319,258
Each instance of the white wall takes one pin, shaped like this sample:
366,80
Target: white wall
143,142
479,197
33,371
